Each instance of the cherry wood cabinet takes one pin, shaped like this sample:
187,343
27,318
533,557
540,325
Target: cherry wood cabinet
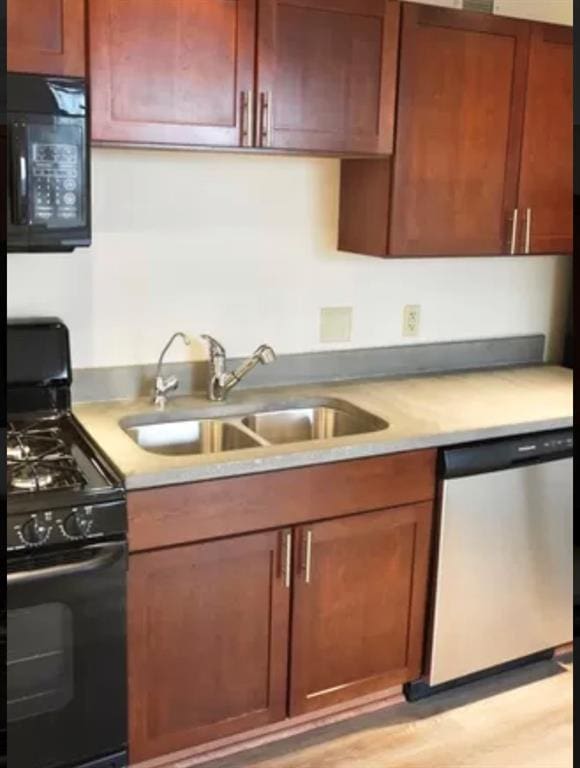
451,186
305,75
358,605
207,642
463,82
46,36
176,72
546,191
327,74
483,150
232,631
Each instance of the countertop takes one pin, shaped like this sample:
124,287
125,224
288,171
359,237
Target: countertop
421,411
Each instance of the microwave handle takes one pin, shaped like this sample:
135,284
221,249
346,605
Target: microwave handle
19,157
100,556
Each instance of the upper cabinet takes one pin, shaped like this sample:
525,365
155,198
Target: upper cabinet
483,151
326,75
546,176
308,75
176,72
46,37
462,89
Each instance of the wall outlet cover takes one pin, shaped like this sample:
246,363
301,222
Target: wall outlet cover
411,319
335,324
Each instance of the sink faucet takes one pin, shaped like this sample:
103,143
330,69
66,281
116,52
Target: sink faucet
220,380
165,385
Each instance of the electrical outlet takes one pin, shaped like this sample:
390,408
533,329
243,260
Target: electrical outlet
335,324
411,319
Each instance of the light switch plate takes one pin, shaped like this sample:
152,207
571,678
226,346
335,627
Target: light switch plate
411,319
335,324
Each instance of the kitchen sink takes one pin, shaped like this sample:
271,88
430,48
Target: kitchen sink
318,422
232,428
198,436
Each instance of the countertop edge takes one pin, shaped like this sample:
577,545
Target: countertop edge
326,455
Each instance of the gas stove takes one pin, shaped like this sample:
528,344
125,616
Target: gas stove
50,461
59,488
66,568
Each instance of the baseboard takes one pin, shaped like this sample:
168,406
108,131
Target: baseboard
276,731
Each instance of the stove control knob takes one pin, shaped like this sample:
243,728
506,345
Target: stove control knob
78,525
35,532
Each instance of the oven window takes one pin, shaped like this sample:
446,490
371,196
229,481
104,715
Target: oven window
40,660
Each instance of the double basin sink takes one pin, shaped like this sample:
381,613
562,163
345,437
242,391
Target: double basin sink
183,434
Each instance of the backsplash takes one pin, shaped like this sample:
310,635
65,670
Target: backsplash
244,248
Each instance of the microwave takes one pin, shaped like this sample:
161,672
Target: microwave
48,176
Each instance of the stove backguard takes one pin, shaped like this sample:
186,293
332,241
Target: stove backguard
38,367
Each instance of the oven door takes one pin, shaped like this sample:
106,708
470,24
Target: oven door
66,657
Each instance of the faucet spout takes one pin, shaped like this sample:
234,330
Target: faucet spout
221,381
165,385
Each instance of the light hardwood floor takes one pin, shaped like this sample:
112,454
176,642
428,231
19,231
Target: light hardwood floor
520,719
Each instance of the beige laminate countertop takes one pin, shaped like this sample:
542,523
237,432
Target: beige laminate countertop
422,412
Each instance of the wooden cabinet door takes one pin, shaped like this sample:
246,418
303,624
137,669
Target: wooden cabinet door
207,642
46,37
326,74
172,72
359,605
460,112
546,192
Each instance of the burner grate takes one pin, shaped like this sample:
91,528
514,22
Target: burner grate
39,459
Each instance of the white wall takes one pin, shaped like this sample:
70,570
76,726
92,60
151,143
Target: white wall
244,248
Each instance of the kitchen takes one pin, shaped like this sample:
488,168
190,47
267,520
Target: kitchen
289,383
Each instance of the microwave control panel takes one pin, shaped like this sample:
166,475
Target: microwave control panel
56,184
56,169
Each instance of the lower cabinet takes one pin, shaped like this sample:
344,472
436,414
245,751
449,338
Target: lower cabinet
207,642
359,605
231,634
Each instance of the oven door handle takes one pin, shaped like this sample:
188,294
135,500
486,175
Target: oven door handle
100,556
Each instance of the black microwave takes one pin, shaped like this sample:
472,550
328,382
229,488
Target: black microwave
47,139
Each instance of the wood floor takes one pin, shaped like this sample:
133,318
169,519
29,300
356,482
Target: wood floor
521,719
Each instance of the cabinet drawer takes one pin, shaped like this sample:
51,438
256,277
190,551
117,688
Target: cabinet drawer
163,517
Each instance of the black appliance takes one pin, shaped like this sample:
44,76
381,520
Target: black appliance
47,135
66,569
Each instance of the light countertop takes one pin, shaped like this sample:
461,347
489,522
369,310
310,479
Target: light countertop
422,412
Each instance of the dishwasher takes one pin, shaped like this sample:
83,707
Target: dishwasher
503,570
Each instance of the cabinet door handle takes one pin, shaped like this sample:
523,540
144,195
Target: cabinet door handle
308,557
528,230
245,121
251,115
265,119
287,558
514,232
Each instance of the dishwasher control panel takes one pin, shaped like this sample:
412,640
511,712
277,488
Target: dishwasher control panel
505,453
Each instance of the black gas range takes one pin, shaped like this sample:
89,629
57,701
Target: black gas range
66,569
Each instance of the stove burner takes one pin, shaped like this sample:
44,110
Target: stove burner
31,482
39,459
17,451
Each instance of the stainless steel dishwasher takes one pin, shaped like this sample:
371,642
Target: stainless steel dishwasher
503,577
